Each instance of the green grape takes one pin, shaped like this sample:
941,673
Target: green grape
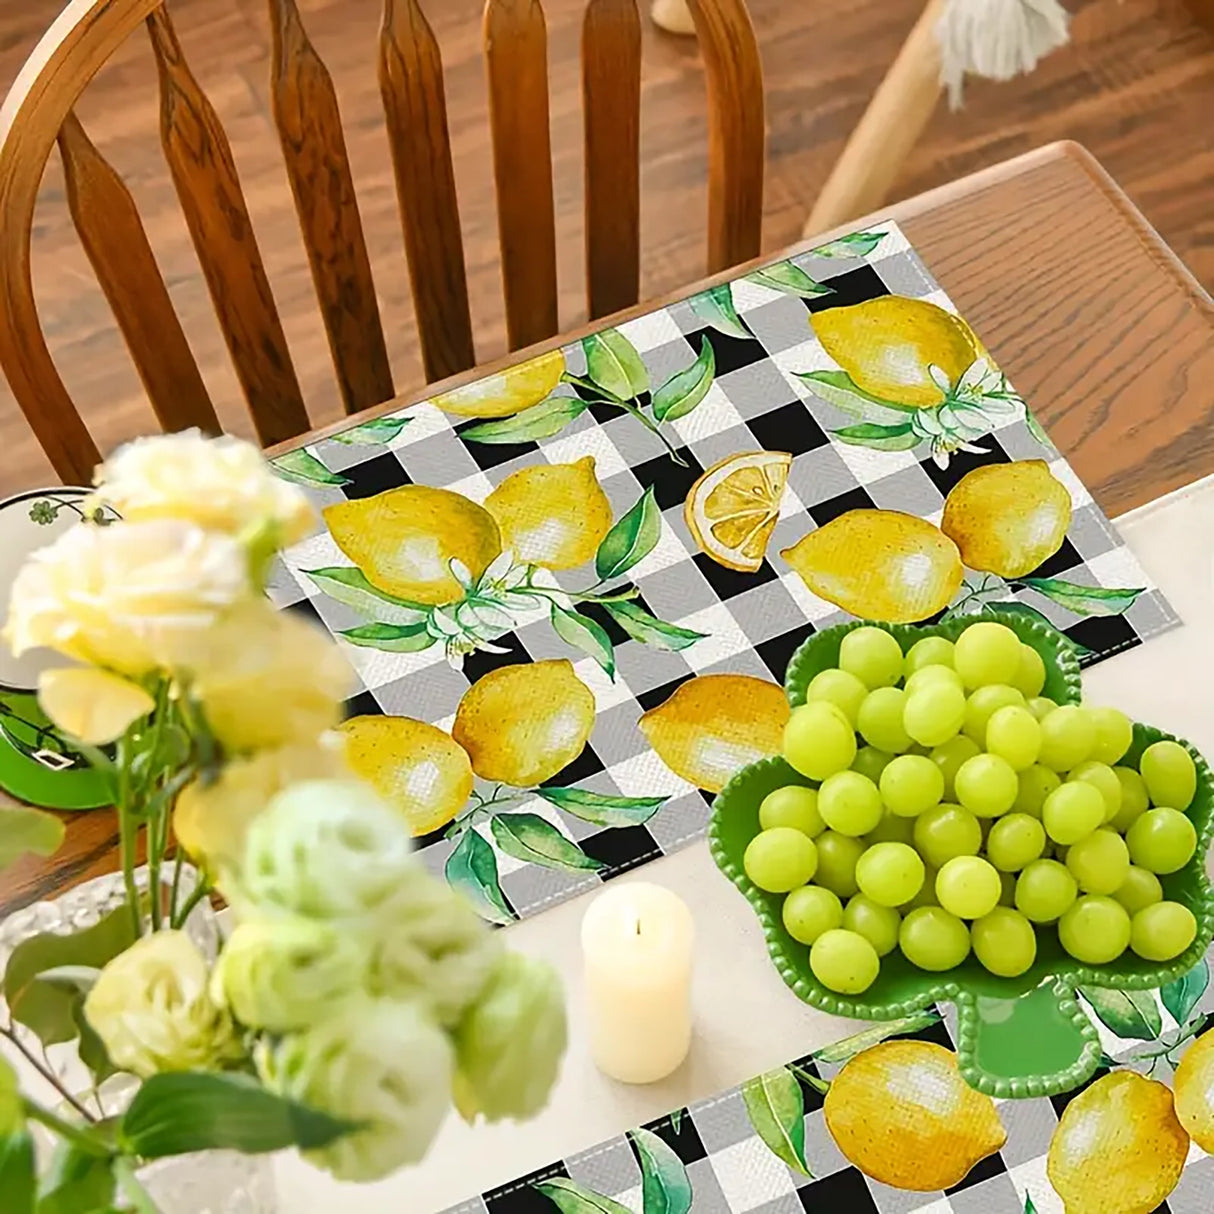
839,688
892,829
1034,785
1100,863
890,873
930,651
844,962
780,859
1162,931
810,911
1162,840
986,653
1104,780
1169,773
1004,942
1041,706
1068,737
1140,888
1007,892
1029,679
983,705
1044,891
986,785
949,758
872,655
1095,929
1134,798
927,895
876,923
968,887
910,784
933,714
1114,733
1015,840
945,831
818,740
792,806
849,803
880,720
1013,734
837,856
933,939
870,762
934,676
1072,811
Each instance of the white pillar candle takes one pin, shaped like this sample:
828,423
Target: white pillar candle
636,946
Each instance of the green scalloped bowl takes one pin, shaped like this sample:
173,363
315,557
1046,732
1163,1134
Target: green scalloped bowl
1018,1037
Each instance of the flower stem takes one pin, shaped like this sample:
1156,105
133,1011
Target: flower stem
132,1190
45,1071
631,407
200,891
79,1138
128,833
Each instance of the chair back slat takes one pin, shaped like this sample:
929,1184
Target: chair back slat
213,203
516,56
611,91
318,167
415,112
113,236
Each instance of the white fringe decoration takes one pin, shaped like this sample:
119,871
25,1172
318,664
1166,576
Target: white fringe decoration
998,39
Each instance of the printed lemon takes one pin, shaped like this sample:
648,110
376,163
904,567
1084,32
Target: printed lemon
879,565
509,391
404,540
1193,1087
522,724
1118,1148
553,515
716,723
1007,518
732,509
887,345
903,1115
415,767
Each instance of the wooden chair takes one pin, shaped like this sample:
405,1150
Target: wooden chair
38,114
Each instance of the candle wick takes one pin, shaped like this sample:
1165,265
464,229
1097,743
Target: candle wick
638,927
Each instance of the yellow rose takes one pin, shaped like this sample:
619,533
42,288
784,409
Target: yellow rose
221,484
90,704
130,597
152,1009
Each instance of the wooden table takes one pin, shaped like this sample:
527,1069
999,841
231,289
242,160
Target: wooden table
1094,319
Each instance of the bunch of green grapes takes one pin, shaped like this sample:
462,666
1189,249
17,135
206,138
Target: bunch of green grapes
958,809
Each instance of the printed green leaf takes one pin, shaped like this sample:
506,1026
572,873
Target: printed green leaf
472,870
1181,996
601,809
25,830
302,467
544,420
665,1188
880,438
534,839
349,585
649,630
75,1182
1084,600
837,388
375,433
789,278
391,638
585,634
776,1109
715,307
685,389
676,1120
1036,430
1029,1207
855,244
1130,1014
613,363
631,540
841,1051
570,1198
18,1179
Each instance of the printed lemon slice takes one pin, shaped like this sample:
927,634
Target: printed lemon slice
732,509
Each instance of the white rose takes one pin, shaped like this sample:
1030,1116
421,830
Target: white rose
130,597
221,484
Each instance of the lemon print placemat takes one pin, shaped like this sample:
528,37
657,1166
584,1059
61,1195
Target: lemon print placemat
570,590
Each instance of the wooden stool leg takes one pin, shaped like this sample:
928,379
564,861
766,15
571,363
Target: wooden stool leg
887,132
673,16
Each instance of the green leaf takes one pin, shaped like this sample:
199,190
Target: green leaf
375,433
534,839
631,540
175,1114
900,437
685,389
544,420
837,388
665,1188
90,1049
855,244
649,630
849,1047
472,870
776,1109
12,1111
392,638
349,585
613,363
1084,600
1130,1014
585,634
25,830
302,467
18,1179
789,278
75,1182
571,1198
601,809
715,307
1181,996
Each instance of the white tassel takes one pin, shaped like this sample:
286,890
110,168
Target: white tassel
998,39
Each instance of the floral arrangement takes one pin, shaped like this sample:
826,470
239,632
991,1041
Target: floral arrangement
357,997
